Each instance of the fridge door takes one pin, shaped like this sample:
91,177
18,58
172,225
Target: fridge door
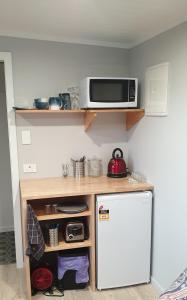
123,237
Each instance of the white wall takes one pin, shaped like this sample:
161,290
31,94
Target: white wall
42,68
55,140
6,206
45,69
158,147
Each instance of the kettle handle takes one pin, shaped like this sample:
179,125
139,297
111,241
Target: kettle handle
114,153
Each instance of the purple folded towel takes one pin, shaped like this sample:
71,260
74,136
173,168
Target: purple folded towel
78,263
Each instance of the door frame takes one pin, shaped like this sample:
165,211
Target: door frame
6,58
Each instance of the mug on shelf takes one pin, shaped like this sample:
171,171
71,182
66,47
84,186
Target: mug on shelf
66,100
41,103
55,103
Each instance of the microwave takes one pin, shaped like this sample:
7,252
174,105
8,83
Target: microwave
108,92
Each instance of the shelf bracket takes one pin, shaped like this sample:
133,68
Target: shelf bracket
133,117
88,119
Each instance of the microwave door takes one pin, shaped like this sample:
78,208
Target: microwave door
125,95
109,90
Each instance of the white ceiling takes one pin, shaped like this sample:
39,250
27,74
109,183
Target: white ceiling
118,23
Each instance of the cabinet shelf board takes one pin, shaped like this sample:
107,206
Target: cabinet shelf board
41,216
65,246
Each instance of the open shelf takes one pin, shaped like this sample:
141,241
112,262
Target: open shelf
48,111
41,216
65,246
133,115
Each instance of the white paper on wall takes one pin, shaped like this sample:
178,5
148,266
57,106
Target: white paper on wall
156,90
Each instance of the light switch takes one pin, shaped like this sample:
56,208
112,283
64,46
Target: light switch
26,137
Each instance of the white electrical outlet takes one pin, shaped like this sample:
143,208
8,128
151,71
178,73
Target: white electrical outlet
29,168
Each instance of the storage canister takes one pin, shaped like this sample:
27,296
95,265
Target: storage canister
53,235
94,167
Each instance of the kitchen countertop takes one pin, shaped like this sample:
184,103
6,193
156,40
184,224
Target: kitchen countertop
60,187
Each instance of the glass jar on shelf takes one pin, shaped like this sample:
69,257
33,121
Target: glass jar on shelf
74,96
75,103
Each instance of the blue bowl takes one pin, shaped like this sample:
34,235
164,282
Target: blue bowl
41,103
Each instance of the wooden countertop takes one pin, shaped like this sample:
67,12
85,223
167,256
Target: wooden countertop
60,187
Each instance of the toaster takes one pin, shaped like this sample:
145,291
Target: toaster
74,231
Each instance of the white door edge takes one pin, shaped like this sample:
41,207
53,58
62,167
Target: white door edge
6,57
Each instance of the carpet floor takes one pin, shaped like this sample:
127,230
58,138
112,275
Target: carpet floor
7,248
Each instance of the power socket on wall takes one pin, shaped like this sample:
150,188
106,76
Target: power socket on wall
29,168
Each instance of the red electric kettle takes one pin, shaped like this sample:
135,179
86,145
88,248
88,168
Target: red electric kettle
117,165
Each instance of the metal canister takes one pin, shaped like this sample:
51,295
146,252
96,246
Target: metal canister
53,235
79,168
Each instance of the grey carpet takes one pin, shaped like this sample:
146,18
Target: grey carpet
7,248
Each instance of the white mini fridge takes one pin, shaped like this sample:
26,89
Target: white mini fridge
123,239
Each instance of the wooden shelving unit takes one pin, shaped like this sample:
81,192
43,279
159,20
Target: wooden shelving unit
41,216
133,115
38,206
38,192
65,246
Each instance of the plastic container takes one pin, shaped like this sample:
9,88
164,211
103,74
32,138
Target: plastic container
94,167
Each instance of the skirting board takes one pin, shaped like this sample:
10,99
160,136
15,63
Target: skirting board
157,285
6,228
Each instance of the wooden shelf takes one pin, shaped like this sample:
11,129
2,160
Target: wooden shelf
48,111
133,115
41,216
65,246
